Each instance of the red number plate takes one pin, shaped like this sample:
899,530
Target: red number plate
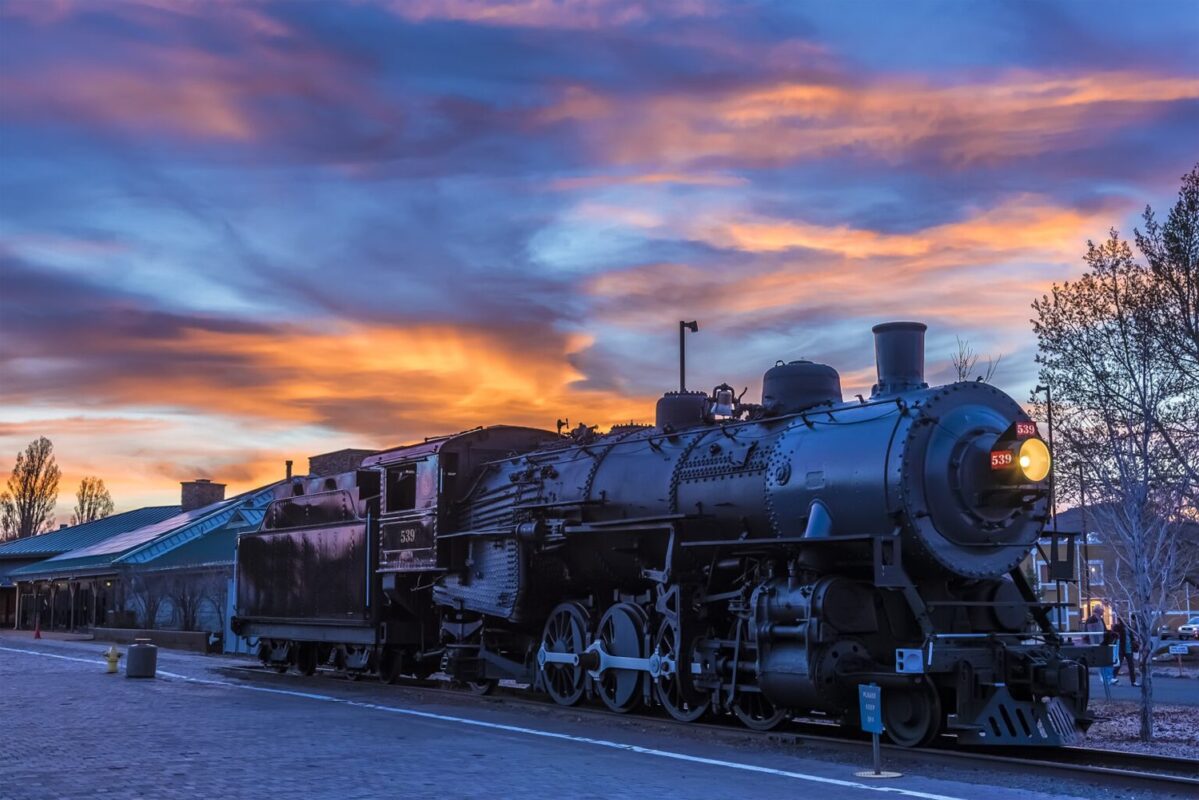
1001,459
1026,430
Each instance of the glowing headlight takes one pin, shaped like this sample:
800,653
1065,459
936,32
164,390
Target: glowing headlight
1034,459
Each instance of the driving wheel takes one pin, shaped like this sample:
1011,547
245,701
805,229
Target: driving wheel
306,658
565,632
622,632
674,690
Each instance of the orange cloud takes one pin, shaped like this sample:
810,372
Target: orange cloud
143,459
1020,226
258,84
987,267
645,179
547,13
391,383
316,391
1019,113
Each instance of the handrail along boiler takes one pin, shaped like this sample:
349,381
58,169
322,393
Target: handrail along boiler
761,560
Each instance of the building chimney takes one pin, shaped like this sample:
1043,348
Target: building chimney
201,492
288,462
899,357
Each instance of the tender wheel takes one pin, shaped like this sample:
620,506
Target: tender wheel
758,713
266,654
391,665
911,717
358,663
622,632
306,659
674,691
481,688
565,632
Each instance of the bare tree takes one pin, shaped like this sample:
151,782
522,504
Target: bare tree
92,501
965,359
215,589
1172,254
148,591
27,507
186,591
1117,392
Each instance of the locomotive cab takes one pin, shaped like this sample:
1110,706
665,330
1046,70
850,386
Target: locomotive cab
408,518
421,484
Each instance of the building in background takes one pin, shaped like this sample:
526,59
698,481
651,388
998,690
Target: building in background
1095,566
337,462
34,549
171,571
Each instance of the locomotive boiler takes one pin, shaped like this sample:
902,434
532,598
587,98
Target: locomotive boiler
758,559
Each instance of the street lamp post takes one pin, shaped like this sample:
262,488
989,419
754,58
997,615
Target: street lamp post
692,326
1052,455
1053,496
1082,530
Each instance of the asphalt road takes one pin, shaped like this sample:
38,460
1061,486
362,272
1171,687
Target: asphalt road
205,730
1180,691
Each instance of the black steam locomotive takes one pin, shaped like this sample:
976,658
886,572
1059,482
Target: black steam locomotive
760,560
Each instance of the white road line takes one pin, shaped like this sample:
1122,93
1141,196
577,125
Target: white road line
496,726
93,661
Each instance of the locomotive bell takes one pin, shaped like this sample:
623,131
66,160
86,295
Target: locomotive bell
899,357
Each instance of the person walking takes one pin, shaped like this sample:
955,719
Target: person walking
1095,625
1125,642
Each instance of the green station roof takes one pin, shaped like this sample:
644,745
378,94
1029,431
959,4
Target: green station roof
85,535
175,540
215,549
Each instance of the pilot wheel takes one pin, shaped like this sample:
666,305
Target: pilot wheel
912,717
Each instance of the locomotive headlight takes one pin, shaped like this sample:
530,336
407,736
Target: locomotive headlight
1034,460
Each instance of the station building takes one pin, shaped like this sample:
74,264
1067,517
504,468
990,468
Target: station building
156,567
31,550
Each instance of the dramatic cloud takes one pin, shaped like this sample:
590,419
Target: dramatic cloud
235,233
1011,116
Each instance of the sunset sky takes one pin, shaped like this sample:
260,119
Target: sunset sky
235,233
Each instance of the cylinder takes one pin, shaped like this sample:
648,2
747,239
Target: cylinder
142,659
899,357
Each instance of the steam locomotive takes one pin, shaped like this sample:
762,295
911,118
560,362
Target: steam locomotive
755,559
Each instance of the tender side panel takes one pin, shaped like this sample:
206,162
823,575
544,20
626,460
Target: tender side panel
313,575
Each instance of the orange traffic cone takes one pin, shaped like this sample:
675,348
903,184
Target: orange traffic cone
37,629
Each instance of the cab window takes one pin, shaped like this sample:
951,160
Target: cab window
401,488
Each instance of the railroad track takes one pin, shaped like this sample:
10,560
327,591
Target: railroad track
1106,767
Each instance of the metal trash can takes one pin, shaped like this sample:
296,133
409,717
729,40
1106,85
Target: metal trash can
141,660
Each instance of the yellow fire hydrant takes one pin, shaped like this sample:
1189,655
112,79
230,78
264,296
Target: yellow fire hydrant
112,656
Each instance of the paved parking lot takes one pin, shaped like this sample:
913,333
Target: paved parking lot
204,730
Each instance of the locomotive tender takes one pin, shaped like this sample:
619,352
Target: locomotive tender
760,560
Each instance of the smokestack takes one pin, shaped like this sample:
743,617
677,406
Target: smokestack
201,492
288,462
899,357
